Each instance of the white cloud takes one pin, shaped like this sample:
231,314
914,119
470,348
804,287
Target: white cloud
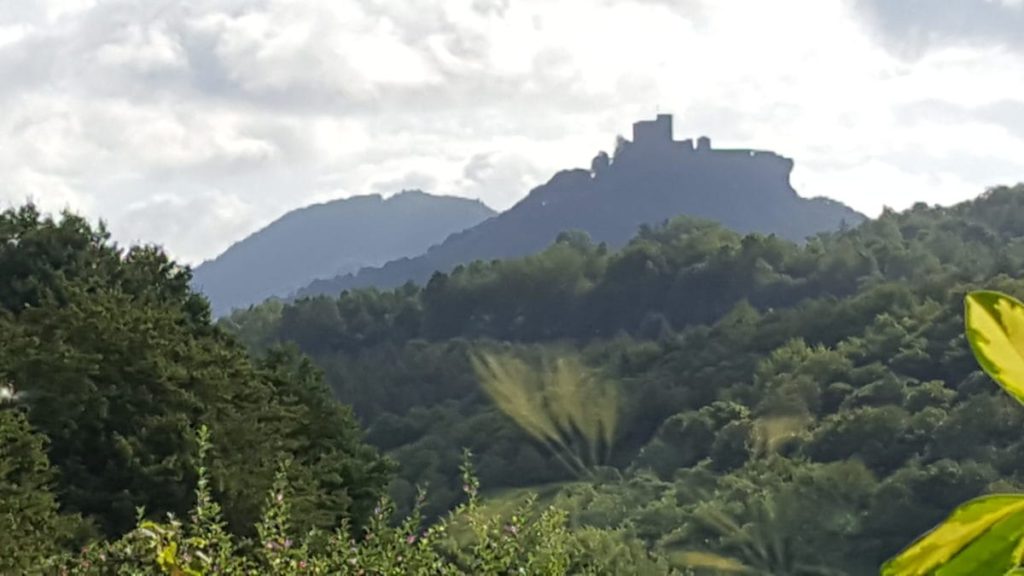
498,177
193,218
192,124
9,34
51,193
143,49
875,184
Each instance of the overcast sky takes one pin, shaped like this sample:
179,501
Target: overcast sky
194,123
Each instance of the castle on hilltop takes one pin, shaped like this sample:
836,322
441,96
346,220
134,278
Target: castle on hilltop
653,141
657,133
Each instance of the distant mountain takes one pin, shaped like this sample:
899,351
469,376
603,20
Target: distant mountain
330,239
650,179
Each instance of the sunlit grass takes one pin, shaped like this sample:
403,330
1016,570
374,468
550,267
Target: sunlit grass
760,545
772,432
561,403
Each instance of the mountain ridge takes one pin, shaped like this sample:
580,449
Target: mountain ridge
746,190
330,238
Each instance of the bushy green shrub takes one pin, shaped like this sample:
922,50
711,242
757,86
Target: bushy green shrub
471,540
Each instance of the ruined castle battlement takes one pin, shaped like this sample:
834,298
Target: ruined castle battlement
654,139
657,130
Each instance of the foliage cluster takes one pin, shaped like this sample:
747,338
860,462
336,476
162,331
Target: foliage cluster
108,361
753,375
985,535
471,540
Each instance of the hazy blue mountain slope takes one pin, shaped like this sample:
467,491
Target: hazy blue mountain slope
325,240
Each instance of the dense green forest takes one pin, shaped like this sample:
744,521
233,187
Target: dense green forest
698,397
820,395
137,437
114,362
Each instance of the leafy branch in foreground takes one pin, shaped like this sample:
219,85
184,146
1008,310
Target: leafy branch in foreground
986,535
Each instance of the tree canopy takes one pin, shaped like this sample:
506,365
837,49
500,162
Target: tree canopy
752,372
118,363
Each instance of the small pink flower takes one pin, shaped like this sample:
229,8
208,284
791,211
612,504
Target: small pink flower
411,538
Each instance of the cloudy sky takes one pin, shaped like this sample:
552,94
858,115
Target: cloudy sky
192,123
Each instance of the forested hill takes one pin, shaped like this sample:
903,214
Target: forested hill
650,179
324,240
818,400
685,272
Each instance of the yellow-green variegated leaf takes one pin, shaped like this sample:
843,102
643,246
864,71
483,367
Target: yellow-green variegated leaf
979,537
995,330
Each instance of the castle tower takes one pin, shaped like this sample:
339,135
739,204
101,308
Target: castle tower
653,132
